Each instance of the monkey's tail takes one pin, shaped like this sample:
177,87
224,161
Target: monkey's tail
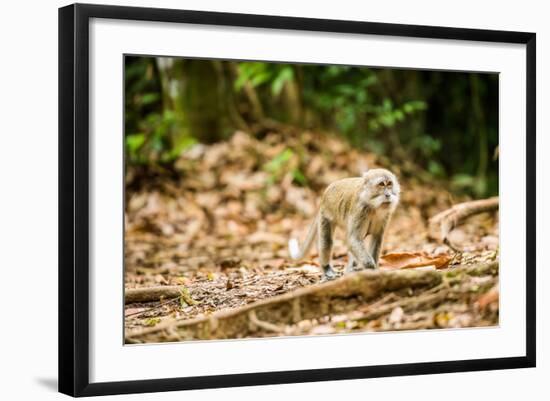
294,247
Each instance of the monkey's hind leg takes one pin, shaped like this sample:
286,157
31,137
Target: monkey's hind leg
325,248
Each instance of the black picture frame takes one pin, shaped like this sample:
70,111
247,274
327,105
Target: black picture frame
74,198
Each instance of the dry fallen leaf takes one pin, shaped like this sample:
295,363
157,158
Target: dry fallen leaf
489,297
259,237
410,260
396,316
133,311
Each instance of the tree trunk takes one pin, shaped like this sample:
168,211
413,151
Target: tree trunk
201,96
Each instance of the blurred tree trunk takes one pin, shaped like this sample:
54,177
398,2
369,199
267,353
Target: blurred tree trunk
164,68
201,95
293,102
480,129
290,98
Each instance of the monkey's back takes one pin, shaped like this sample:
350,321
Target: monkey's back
339,198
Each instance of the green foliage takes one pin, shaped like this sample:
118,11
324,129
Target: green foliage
133,143
185,298
257,74
354,104
277,166
435,168
443,122
150,129
342,92
149,98
425,144
285,74
299,177
142,91
283,163
152,321
387,115
470,183
155,142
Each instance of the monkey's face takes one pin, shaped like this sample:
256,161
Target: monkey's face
381,189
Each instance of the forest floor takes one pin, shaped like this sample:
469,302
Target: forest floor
218,225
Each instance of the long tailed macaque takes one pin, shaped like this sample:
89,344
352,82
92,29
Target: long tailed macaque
362,206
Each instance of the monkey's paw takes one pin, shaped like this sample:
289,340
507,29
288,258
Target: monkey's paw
353,267
369,264
328,273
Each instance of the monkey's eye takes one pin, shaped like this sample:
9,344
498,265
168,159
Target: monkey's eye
381,184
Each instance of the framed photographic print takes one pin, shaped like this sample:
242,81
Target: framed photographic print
250,199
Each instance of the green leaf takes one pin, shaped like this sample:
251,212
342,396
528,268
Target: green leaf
436,168
387,119
285,75
275,165
152,321
480,186
240,82
260,78
462,181
414,105
149,98
299,177
134,142
181,146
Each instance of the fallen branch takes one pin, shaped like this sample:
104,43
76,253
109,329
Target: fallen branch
150,294
450,218
147,310
333,297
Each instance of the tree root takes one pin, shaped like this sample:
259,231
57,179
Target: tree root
275,316
450,218
324,299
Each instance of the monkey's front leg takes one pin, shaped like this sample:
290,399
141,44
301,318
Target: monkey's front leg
325,248
360,253
374,245
375,238
355,235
